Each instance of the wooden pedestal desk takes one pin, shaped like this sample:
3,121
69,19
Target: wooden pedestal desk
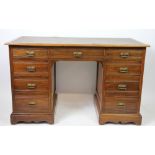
120,66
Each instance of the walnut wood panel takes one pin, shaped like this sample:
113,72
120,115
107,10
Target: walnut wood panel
32,118
120,118
118,60
122,93
30,92
53,83
99,84
30,69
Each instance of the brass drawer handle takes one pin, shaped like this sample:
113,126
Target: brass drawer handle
77,54
31,85
31,68
122,87
32,103
120,104
30,53
124,54
123,69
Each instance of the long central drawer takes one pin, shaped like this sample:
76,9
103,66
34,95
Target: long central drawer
77,53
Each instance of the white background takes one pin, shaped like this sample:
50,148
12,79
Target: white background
84,18
79,78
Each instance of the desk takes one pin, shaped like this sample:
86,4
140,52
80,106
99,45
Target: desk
120,66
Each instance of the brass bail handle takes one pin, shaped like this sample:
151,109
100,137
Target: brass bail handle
30,53
120,104
77,54
124,54
32,103
123,69
31,68
122,87
31,85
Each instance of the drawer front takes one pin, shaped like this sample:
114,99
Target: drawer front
30,52
31,85
124,55
30,68
121,105
77,53
122,86
123,69
31,104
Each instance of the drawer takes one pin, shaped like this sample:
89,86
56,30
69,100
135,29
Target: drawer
124,54
77,53
31,104
122,86
31,85
123,68
30,68
28,52
121,105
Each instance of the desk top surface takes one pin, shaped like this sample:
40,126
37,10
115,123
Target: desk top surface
83,42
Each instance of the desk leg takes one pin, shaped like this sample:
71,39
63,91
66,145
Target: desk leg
52,92
99,88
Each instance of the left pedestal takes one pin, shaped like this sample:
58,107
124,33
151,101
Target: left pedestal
32,76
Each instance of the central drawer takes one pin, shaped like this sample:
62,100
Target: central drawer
31,85
77,53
